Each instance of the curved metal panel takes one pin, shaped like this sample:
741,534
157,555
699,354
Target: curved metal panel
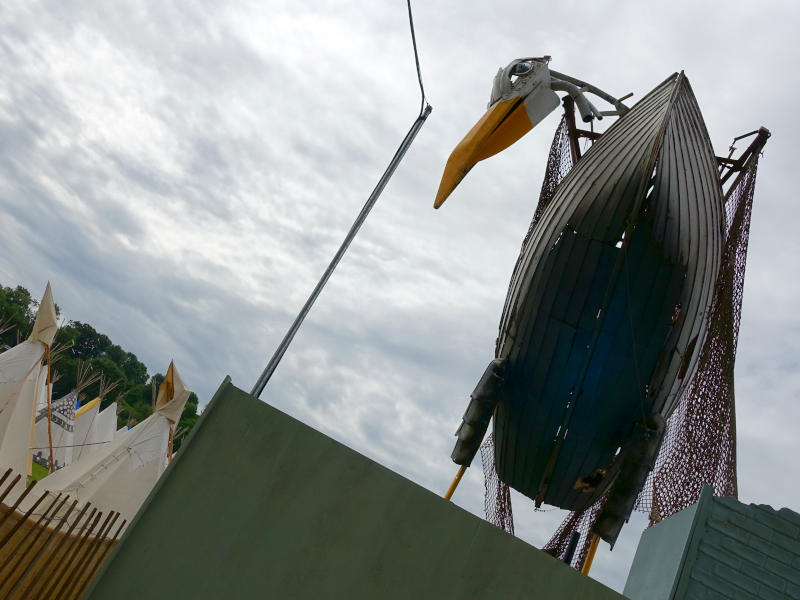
609,294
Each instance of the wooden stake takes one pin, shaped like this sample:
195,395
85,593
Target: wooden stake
79,583
587,564
13,508
38,554
36,531
67,589
11,485
20,522
68,561
40,577
102,558
456,480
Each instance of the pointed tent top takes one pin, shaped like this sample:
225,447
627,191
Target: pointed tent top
172,395
84,408
46,324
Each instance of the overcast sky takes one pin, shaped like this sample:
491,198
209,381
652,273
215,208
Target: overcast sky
183,172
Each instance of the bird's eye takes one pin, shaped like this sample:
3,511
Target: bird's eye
521,68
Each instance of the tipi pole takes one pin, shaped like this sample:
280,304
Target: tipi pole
49,420
171,439
21,383
456,480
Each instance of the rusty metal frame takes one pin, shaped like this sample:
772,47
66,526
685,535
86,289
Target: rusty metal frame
739,165
573,132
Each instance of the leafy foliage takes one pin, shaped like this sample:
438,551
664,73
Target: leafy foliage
17,312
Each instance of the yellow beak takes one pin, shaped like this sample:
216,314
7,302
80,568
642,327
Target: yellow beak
502,125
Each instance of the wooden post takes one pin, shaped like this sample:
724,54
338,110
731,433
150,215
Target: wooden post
455,482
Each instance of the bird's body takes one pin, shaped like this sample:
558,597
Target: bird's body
625,288
608,303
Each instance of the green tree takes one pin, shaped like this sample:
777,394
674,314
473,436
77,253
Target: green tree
111,373
187,421
17,311
88,343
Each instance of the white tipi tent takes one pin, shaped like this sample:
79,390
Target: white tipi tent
23,380
120,475
94,428
56,423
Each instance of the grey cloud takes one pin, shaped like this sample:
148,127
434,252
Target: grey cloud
233,144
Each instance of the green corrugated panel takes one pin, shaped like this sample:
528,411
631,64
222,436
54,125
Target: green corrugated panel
746,551
730,550
259,505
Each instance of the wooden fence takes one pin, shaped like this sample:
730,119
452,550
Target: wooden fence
53,550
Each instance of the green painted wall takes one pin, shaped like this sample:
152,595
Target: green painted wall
258,505
658,557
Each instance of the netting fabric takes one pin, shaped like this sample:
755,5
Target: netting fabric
559,163
497,498
581,521
699,446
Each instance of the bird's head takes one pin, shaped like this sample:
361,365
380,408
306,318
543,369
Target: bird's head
523,94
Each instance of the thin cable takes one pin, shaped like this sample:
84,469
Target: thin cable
71,445
416,58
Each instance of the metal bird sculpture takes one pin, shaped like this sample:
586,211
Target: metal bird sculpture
607,306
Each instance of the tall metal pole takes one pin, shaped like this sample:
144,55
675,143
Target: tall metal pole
373,198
